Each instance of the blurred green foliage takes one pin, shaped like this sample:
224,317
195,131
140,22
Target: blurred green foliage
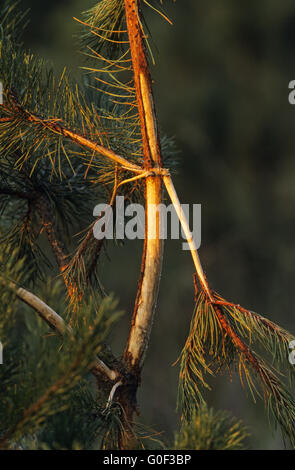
211,430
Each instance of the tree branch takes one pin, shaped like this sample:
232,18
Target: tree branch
182,218
46,215
55,126
57,324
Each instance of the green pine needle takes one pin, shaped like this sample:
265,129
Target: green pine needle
210,430
222,336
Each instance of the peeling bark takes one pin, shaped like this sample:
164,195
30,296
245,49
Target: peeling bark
148,286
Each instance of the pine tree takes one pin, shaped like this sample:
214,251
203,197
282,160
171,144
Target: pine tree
63,146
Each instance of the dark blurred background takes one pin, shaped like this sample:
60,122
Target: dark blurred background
221,86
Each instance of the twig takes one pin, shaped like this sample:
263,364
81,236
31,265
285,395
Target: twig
182,218
112,394
47,218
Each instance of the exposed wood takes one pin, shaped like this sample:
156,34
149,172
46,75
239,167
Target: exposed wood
152,254
57,324
182,218
148,287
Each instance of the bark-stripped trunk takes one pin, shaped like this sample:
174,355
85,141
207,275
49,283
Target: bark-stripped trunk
148,287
